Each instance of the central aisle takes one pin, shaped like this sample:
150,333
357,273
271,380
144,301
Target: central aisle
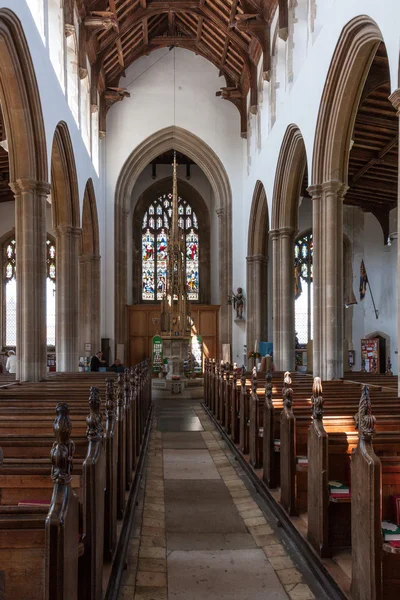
198,533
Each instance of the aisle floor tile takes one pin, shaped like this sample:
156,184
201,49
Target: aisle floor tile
222,575
189,464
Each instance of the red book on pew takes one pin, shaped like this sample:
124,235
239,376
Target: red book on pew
395,544
340,496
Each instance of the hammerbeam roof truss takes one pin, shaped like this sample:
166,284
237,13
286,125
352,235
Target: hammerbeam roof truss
232,34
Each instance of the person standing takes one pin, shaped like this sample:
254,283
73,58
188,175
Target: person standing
97,361
11,365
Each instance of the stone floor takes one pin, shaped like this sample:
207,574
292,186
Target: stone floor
199,534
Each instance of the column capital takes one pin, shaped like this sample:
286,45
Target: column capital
257,258
30,185
67,230
395,100
315,191
220,212
274,234
286,231
334,187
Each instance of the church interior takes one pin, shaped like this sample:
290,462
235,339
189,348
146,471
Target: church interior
199,300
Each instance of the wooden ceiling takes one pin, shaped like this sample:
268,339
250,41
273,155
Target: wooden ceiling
231,34
373,167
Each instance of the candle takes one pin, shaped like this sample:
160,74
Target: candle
256,346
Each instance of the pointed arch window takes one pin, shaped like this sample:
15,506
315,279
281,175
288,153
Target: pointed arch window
155,229
303,276
10,292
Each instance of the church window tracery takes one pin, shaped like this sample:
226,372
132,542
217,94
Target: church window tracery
10,292
155,228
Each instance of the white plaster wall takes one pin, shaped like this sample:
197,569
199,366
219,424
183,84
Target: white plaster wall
150,81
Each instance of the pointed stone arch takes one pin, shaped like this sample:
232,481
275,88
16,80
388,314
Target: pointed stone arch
66,221
257,268
345,81
287,186
89,275
24,127
195,148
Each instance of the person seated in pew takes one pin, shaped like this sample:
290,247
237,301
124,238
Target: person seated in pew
117,367
97,361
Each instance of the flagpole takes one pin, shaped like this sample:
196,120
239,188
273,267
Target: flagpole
373,301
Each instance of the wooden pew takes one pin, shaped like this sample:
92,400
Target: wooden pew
39,554
375,564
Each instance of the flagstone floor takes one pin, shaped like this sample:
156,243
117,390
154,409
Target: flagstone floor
199,534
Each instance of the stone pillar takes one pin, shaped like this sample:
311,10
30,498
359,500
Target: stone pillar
287,299
276,305
121,266
257,299
328,279
225,312
395,100
67,298
315,192
30,235
89,302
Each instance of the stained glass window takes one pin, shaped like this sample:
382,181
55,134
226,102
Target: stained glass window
155,247
51,292
10,292
303,276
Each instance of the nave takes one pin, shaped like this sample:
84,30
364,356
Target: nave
201,531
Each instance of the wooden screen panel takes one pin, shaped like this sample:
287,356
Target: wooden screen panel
138,349
138,323
144,323
208,323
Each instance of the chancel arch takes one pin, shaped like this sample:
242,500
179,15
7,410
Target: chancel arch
257,268
290,173
196,219
89,275
181,140
28,175
66,220
350,137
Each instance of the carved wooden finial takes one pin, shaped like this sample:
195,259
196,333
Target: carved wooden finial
389,371
288,397
94,420
120,390
365,420
287,379
317,400
243,376
254,381
268,384
63,448
110,397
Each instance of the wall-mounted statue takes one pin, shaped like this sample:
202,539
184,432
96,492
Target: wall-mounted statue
238,302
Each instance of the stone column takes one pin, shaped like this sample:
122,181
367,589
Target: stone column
89,303
315,192
67,298
395,100
328,279
287,299
30,232
121,266
257,298
225,312
276,305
